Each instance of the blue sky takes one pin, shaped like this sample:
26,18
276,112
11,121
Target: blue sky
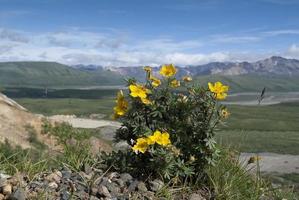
140,32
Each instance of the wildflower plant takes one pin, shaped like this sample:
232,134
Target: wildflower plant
169,125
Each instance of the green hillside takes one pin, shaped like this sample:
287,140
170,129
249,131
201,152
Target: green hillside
254,83
51,74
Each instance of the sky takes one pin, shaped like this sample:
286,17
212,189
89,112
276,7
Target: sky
147,32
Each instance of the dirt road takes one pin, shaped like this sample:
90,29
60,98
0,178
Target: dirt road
272,162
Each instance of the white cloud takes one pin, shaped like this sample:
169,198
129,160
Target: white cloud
293,51
116,49
282,32
235,39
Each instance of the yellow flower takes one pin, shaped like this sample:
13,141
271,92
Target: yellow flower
141,145
224,113
121,106
219,89
148,69
146,101
175,83
155,81
160,138
168,70
187,78
138,91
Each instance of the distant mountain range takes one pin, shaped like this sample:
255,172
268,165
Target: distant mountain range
275,73
272,66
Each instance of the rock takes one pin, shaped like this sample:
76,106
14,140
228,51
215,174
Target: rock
113,176
120,182
94,191
156,185
3,182
7,189
127,178
133,186
4,176
87,169
141,187
93,198
113,188
53,185
195,196
65,195
103,191
19,194
55,176
66,174
2,196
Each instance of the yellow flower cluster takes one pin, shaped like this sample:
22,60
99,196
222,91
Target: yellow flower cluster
168,70
143,143
121,105
219,89
140,91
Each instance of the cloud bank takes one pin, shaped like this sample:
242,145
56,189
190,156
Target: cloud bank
118,49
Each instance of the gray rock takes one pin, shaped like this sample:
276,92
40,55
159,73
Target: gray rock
103,191
156,185
195,196
66,174
113,188
18,194
132,187
93,198
141,187
120,182
3,182
127,178
65,195
87,169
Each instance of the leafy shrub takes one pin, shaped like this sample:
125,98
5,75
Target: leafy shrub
169,125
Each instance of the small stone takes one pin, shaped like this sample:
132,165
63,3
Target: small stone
120,182
7,189
103,191
3,182
66,174
195,196
55,176
113,188
94,191
113,175
133,186
127,178
141,187
53,185
87,168
19,194
65,195
156,185
93,198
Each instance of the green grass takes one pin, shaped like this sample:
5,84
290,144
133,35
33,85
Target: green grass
52,74
284,142
254,83
273,128
79,107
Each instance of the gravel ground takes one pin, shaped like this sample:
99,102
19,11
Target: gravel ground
272,162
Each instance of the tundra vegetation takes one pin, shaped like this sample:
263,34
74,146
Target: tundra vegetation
171,137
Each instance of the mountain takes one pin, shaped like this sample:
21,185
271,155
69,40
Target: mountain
275,72
52,74
270,67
